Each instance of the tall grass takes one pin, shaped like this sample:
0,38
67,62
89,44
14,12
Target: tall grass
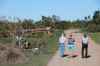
41,59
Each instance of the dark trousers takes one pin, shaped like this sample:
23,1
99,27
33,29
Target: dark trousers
84,51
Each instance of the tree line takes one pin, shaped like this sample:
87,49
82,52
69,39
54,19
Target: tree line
89,23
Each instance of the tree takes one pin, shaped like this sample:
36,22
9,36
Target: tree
28,24
55,18
96,17
47,21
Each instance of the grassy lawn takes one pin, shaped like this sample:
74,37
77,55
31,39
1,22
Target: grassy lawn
6,40
96,37
41,59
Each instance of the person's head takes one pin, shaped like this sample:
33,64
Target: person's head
71,35
62,35
85,35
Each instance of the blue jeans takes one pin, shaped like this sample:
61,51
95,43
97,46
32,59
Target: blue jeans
61,49
71,47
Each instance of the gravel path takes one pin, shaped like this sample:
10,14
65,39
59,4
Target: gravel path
93,60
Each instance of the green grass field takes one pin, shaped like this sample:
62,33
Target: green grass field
41,59
96,37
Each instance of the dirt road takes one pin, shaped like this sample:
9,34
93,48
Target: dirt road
93,60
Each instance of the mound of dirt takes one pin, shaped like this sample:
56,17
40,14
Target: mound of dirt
11,55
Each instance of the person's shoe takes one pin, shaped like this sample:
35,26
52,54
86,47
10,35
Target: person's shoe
83,57
88,56
62,56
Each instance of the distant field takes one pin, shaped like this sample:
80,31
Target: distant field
37,60
96,37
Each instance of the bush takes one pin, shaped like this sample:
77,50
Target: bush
9,55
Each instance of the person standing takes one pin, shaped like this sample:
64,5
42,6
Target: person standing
84,51
62,41
71,45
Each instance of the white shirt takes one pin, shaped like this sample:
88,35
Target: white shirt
18,38
62,40
85,40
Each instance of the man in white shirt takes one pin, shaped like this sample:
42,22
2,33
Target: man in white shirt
62,40
84,46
